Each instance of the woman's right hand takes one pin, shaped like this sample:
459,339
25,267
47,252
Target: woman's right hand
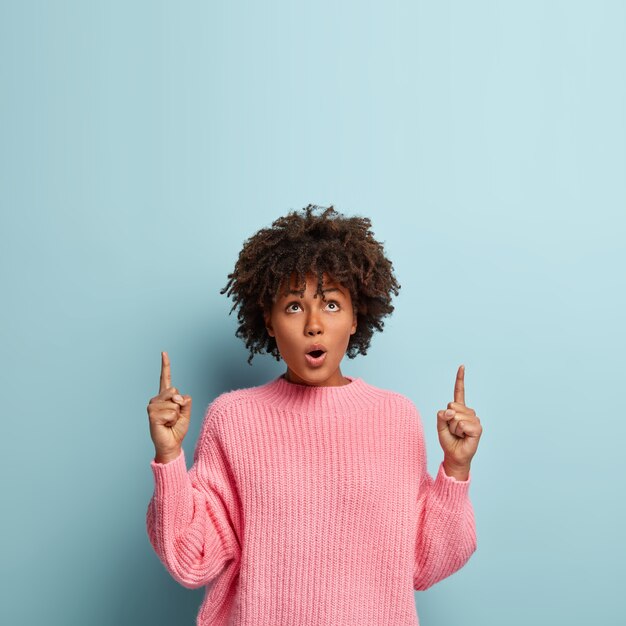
169,414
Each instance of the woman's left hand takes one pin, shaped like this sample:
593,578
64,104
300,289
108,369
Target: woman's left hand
458,427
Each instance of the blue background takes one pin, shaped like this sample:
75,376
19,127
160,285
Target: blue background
143,142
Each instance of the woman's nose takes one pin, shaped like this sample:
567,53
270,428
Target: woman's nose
313,324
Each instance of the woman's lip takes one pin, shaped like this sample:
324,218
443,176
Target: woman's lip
315,362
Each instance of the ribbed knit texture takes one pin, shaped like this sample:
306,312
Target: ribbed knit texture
309,506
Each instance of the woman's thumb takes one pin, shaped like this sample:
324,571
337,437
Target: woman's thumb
446,438
185,409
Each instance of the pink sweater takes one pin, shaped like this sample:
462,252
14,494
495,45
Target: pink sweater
309,506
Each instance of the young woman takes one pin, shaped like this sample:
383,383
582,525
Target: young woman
309,501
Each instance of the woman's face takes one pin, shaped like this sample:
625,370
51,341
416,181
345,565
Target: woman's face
298,323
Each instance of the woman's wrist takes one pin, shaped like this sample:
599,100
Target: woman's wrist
454,470
167,457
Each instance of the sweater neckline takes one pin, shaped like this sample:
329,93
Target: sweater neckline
291,396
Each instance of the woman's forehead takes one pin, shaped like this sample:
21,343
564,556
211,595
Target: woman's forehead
290,283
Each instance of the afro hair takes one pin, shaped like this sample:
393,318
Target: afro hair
303,244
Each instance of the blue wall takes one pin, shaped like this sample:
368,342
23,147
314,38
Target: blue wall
142,142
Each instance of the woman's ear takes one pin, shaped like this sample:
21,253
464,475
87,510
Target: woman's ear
268,324
354,323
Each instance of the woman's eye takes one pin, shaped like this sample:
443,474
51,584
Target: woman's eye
334,304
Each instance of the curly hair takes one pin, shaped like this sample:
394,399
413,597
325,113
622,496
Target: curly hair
304,244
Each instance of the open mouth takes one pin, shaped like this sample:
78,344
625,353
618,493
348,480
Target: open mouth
315,358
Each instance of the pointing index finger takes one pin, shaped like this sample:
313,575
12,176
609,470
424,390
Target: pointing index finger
459,385
166,377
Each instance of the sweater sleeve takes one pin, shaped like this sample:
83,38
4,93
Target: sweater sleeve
446,530
190,515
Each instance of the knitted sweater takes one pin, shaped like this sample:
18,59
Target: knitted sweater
309,506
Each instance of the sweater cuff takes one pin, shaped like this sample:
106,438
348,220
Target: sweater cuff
170,477
449,489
